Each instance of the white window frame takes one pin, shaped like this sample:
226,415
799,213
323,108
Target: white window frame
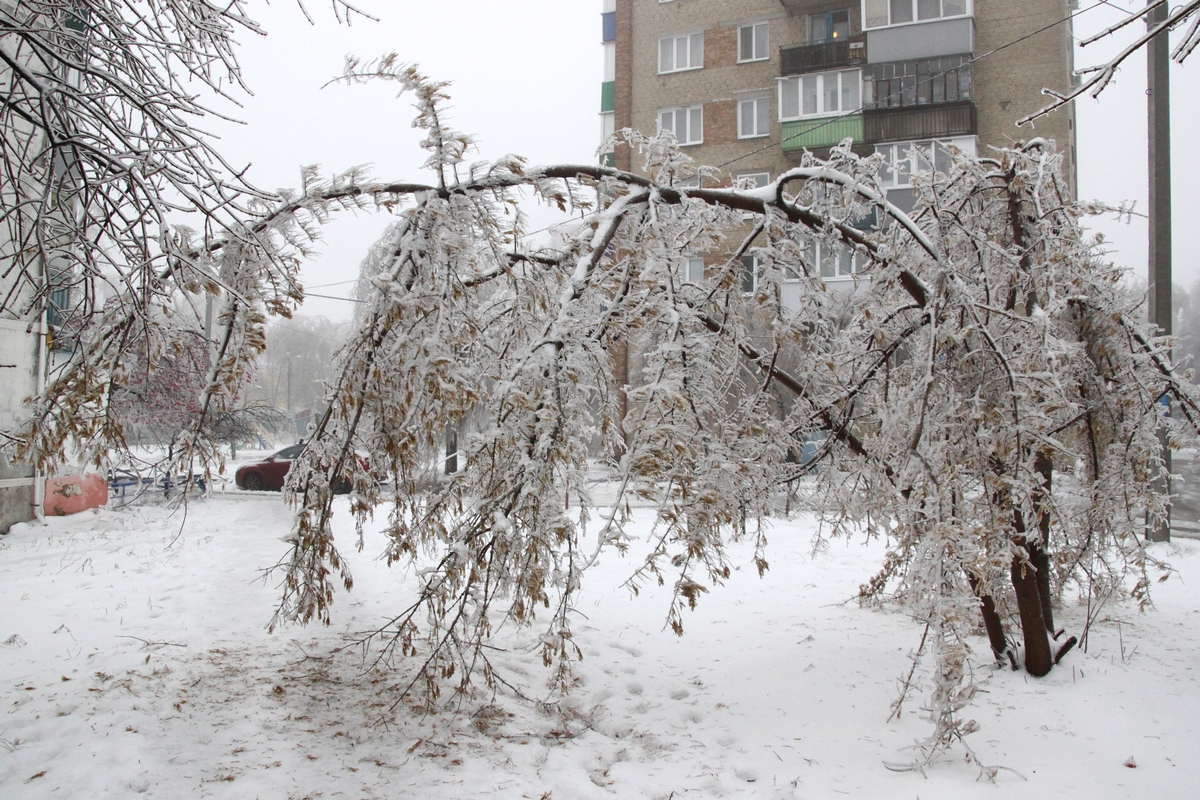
691,111
758,36
754,266
608,120
692,44
760,179
758,109
796,83
843,268
901,159
916,7
693,270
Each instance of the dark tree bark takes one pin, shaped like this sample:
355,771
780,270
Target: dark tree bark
991,619
1039,555
1038,658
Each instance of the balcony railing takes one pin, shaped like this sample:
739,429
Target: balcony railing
801,58
825,132
919,122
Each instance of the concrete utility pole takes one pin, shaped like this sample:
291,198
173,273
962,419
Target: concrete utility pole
1158,94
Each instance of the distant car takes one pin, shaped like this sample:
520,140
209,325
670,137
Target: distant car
270,473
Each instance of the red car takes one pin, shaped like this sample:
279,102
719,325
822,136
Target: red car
269,474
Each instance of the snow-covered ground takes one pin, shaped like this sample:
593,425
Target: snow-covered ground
135,659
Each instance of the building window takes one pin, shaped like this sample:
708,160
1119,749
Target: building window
902,159
750,268
917,83
752,43
59,305
752,180
693,270
829,27
753,117
820,94
607,126
880,13
834,261
686,123
677,53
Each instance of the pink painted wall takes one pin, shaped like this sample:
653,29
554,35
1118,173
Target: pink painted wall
72,494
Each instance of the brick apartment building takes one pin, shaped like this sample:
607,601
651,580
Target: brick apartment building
749,85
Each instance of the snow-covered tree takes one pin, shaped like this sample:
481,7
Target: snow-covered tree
111,193
987,397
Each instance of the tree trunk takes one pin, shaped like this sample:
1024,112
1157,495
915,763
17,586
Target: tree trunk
991,619
1039,554
1038,658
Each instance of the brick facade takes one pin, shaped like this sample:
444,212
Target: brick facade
1007,84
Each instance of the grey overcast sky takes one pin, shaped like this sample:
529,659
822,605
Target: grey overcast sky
525,78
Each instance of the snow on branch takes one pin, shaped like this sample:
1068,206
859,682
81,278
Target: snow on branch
1102,75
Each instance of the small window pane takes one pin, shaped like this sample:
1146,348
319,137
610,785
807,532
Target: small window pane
789,98
942,159
850,91
831,92
903,199
681,127
818,27
760,40
954,8
876,13
763,107
746,118
902,11
745,43
695,270
810,94
886,176
828,265
666,121
666,55
748,273
839,24
846,262
695,125
755,180
697,51
929,9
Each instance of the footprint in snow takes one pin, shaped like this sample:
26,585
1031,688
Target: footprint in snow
634,688
679,694
633,651
748,774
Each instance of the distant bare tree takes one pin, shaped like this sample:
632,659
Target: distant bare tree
102,158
